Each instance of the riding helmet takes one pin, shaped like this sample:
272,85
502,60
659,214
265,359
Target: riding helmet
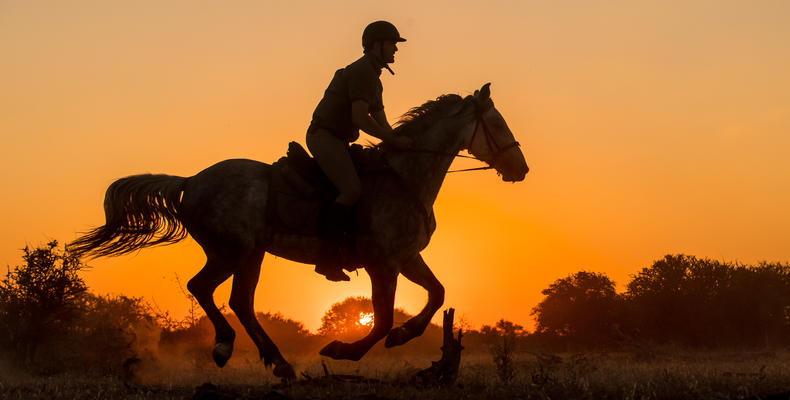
380,31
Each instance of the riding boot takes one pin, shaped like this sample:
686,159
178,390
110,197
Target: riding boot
335,229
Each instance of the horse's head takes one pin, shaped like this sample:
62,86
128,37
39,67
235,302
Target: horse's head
492,141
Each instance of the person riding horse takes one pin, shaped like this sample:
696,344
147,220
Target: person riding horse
351,103
220,207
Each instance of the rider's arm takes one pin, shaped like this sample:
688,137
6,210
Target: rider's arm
400,142
381,118
362,119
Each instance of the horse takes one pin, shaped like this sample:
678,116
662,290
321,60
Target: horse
224,209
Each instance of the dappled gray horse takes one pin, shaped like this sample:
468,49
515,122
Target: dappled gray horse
224,208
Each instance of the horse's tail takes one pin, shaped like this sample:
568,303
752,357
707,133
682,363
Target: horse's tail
140,211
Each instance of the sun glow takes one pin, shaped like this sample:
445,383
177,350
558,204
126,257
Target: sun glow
365,319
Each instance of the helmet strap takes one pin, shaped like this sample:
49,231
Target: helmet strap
377,55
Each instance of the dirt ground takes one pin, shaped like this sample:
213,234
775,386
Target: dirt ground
643,375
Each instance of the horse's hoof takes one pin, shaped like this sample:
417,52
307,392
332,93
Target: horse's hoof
340,351
284,370
397,337
332,350
222,352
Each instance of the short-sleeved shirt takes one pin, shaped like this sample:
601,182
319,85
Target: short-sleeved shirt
357,81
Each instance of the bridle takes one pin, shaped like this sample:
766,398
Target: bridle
495,149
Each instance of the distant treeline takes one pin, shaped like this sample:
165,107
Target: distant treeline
680,300
49,319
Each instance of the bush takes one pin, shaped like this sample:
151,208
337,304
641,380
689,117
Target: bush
39,299
503,340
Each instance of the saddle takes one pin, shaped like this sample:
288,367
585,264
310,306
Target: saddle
300,191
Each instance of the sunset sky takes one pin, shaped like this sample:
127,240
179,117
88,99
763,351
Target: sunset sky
650,127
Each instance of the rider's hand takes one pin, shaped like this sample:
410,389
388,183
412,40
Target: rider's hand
400,142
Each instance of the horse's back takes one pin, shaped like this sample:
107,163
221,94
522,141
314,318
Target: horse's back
238,176
234,166
226,203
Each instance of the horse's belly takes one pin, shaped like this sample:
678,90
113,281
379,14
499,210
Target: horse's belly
299,248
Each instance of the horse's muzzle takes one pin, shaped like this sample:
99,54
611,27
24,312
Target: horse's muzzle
515,176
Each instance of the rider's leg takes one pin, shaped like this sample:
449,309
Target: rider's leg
332,156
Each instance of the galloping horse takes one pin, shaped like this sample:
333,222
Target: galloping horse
224,209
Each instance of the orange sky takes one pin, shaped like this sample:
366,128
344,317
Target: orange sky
651,127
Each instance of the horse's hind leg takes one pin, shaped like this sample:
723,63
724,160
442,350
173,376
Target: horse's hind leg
383,283
418,272
202,286
241,302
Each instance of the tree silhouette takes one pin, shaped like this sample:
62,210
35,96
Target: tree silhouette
279,325
291,336
342,320
40,298
671,298
756,305
582,307
703,302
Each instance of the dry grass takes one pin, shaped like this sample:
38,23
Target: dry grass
646,375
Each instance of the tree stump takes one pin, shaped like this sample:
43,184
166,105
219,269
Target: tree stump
444,371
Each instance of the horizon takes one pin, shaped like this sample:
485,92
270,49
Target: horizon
649,128
195,313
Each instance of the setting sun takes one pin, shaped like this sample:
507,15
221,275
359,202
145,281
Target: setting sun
365,319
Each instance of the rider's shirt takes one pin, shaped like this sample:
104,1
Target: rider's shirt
357,81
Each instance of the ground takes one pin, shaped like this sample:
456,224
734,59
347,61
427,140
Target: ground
669,374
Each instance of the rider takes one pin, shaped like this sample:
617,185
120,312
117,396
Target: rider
350,103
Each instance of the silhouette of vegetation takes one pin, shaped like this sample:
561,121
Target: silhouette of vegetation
701,302
343,318
503,341
39,299
679,299
107,331
352,317
50,322
582,307
191,339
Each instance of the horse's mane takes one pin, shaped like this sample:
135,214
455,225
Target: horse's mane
417,118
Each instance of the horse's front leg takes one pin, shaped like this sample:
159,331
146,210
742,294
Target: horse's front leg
383,284
418,272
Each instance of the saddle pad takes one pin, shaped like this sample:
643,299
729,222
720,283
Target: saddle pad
289,209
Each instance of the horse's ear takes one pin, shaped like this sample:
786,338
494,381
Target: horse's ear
485,91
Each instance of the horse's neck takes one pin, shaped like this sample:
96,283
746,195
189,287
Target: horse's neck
423,171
